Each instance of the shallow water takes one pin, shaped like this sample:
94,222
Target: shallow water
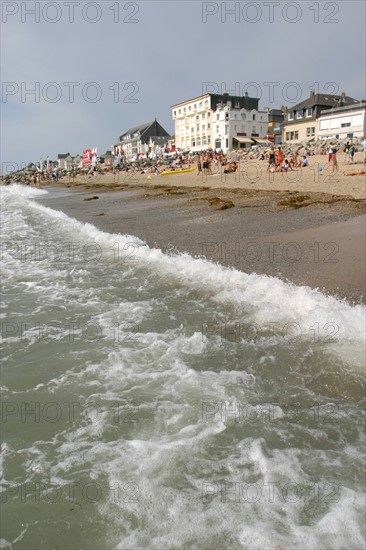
156,401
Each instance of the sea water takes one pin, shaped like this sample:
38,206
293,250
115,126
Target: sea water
162,401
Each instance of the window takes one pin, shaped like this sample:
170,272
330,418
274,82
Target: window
237,104
299,114
189,107
197,117
208,114
203,115
291,116
287,136
193,143
208,139
309,112
253,116
179,112
204,141
192,130
195,106
217,116
208,126
175,112
184,110
203,126
345,124
198,141
227,142
310,131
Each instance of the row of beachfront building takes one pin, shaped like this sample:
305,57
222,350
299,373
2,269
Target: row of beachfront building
225,121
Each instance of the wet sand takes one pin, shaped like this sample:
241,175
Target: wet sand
317,240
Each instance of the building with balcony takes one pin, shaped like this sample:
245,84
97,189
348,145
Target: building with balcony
215,121
301,120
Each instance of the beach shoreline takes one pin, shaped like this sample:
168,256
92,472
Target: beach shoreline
315,240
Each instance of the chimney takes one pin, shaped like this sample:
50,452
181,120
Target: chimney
343,95
312,93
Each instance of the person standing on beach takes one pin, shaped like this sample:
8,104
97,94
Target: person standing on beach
352,152
346,152
334,160
271,160
280,157
199,166
330,153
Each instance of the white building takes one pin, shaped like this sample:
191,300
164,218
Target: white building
343,122
218,121
236,128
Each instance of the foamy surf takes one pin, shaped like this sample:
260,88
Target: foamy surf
169,402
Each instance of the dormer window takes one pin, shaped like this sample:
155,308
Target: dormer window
299,114
237,105
309,112
291,115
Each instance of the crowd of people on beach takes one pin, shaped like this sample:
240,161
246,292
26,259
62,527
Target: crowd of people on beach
278,163
208,162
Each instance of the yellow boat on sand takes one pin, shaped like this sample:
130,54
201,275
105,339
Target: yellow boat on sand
168,172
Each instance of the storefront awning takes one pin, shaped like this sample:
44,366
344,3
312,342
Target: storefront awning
242,139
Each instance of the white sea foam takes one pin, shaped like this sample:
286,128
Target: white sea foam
167,378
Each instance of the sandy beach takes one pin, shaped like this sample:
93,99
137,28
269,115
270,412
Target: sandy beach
310,232
251,174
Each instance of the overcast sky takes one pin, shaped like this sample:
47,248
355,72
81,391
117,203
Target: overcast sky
128,62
